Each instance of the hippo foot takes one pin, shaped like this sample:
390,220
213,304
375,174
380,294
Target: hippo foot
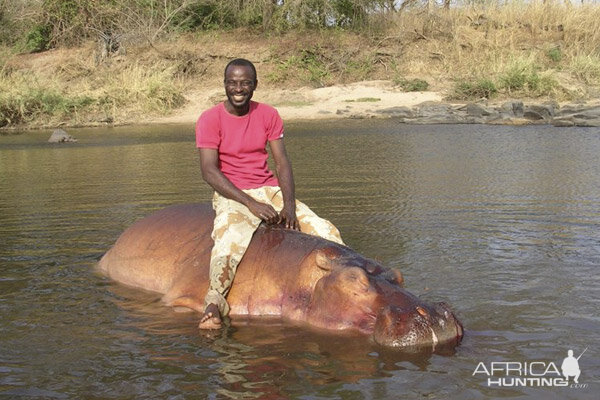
211,318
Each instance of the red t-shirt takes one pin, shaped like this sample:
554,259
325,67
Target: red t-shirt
241,142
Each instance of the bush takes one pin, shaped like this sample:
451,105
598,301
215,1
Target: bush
205,16
483,88
522,75
514,78
412,85
554,54
38,38
38,103
586,68
308,66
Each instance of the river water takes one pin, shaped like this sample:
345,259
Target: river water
502,223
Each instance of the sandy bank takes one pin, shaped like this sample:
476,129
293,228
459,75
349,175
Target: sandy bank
382,99
356,100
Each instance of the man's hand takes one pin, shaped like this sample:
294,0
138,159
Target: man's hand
287,216
264,211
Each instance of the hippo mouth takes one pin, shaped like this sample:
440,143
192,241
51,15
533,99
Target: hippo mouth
417,328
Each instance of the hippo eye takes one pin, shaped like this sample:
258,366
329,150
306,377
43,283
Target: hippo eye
358,275
422,311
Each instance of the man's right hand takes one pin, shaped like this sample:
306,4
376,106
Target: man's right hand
264,211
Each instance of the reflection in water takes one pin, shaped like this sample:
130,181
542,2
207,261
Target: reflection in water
500,222
262,357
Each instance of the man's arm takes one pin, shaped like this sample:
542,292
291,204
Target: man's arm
209,163
283,168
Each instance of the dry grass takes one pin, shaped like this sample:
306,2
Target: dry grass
73,87
491,43
518,50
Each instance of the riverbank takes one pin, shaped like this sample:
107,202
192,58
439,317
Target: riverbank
420,66
382,99
356,100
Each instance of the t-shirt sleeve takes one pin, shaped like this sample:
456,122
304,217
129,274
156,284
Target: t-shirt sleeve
208,131
275,127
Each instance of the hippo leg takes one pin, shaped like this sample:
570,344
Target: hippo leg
185,304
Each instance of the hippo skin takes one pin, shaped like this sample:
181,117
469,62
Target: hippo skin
284,273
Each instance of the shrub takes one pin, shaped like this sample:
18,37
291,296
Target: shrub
412,85
586,68
307,66
554,54
482,88
38,38
522,75
514,78
38,103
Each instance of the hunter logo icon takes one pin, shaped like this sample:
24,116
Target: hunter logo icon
570,366
536,373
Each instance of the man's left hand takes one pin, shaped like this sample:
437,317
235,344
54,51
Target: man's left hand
287,217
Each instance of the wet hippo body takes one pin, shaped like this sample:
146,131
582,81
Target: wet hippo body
283,273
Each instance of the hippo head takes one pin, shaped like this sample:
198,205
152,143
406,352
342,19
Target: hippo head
360,294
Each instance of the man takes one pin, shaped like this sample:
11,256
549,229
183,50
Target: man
570,367
232,138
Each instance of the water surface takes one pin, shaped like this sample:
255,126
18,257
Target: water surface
500,222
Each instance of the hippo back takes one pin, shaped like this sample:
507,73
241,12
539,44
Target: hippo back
153,252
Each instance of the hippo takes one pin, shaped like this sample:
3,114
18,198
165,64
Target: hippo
285,273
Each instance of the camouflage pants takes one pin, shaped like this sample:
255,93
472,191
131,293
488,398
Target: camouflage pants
233,229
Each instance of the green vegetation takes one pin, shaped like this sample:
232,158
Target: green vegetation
586,68
38,38
24,100
554,54
412,85
289,103
471,90
36,104
364,100
85,61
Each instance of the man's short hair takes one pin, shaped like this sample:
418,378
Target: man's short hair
240,62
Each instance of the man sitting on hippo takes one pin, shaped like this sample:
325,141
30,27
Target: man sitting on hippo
232,138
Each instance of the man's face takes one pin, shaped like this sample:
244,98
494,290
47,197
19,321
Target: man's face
240,83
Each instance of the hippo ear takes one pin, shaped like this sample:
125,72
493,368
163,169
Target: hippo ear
325,259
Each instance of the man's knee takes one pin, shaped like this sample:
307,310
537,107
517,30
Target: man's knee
321,227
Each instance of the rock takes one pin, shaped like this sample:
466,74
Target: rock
563,122
513,109
397,112
578,116
60,136
480,114
436,113
537,112
477,110
511,112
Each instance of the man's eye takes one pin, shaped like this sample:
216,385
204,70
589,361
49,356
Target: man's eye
243,83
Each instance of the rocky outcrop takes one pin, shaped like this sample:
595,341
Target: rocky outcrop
509,113
578,116
60,136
